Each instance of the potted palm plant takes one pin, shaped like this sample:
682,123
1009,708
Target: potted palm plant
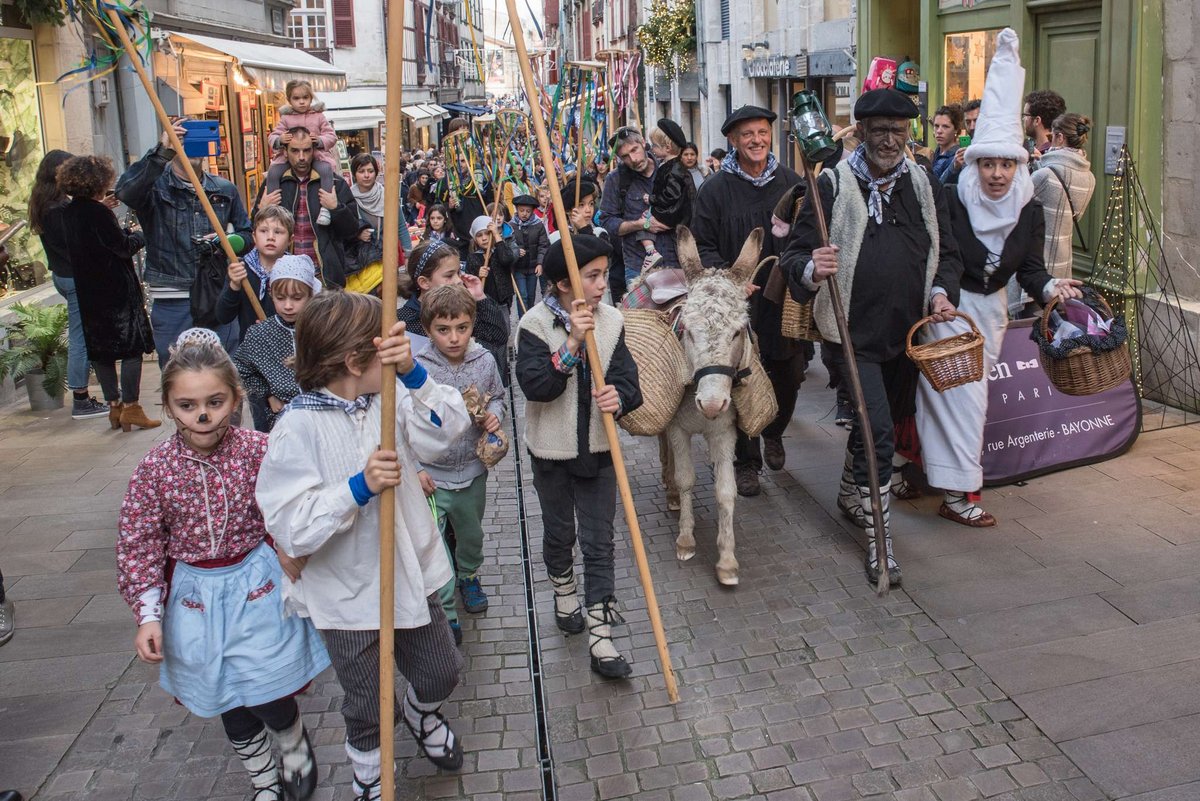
37,351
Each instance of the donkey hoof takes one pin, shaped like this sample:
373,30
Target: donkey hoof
684,553
727,577
673,504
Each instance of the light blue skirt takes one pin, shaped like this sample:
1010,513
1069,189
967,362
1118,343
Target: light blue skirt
226,642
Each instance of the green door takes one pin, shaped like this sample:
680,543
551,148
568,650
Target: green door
1069,59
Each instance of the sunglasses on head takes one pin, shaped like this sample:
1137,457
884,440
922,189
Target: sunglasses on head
622,134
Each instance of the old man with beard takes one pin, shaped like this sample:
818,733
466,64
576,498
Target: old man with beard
738,198
895,260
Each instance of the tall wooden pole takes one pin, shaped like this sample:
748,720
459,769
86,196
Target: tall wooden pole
387,397
856,390
165,121
593,358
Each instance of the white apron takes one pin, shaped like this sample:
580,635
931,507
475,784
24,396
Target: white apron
950,423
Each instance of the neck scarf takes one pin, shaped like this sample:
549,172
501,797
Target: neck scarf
370,201
253,263
317,400
858,164
730,165
562,314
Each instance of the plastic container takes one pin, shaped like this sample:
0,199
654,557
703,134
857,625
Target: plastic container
203,139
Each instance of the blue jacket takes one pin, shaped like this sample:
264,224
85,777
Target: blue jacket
943,163
171,215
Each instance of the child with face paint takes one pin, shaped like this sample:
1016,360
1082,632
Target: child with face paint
190,522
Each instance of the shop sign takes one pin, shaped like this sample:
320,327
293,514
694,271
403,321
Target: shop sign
830,63
775,67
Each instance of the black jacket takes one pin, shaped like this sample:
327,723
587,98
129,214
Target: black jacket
498,285
111,305
1022,255
336,241
533,239
672,194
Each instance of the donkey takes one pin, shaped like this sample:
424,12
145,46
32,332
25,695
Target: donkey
715,322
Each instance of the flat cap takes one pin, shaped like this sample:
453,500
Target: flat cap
673,132
588,248
525,200
746,113
885,103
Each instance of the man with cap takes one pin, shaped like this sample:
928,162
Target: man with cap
738,198
625,205
529,236
895,260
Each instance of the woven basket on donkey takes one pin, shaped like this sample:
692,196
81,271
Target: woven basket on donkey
662,371
754,399
798,320
949,362
1084,371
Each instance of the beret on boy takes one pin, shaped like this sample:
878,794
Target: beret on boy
587,248
673,132
525,200
885,102
568,193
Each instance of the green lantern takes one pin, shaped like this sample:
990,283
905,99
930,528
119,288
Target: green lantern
811,127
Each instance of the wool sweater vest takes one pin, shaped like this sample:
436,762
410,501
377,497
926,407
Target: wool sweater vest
550,428
848,226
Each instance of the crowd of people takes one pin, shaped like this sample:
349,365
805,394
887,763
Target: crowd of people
248,553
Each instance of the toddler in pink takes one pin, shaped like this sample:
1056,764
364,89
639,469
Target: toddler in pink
303,111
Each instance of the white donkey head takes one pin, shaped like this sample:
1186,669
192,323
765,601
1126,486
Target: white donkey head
716,322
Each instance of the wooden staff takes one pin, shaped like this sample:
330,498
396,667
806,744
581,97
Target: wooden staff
856,391
593,358
387,397
165,121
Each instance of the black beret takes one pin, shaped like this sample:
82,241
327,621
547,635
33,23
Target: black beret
746,113
568,193
885,102
588,248
673,132
525,200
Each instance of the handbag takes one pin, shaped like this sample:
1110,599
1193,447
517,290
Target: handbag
15,147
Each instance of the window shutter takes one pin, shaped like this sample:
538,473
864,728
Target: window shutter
724,18
343,23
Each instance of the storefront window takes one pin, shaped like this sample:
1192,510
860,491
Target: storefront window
20,153
307,25
968,56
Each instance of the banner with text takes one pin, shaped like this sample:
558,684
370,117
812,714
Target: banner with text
1033,429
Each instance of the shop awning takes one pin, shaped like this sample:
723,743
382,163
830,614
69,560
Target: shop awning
424,113
354,119
463,108
271,67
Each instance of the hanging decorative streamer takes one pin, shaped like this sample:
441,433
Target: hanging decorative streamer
103,55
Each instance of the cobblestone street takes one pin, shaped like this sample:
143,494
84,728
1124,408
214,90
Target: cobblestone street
1050,659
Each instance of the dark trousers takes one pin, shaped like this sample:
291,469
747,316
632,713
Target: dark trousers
130,384
887,389
426,656
245,722
786,377
564,499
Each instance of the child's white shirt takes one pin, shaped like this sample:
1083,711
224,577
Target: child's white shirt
309,509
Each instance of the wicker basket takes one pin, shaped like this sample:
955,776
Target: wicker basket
1084,371
662,371
950,362
754,400
798,321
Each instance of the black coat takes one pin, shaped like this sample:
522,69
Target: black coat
533,239
726,210
336,242
111,304
498,285
1022,255
673,194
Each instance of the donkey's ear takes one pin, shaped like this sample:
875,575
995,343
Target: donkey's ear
689,256
747,261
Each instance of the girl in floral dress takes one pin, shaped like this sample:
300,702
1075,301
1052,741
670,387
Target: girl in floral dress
198,569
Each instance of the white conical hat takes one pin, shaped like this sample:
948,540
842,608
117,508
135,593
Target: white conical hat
998,131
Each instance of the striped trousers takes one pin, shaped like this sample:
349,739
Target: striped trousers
425,656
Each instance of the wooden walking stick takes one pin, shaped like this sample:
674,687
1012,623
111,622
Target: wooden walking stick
593,358
165,121
387,398
811,129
